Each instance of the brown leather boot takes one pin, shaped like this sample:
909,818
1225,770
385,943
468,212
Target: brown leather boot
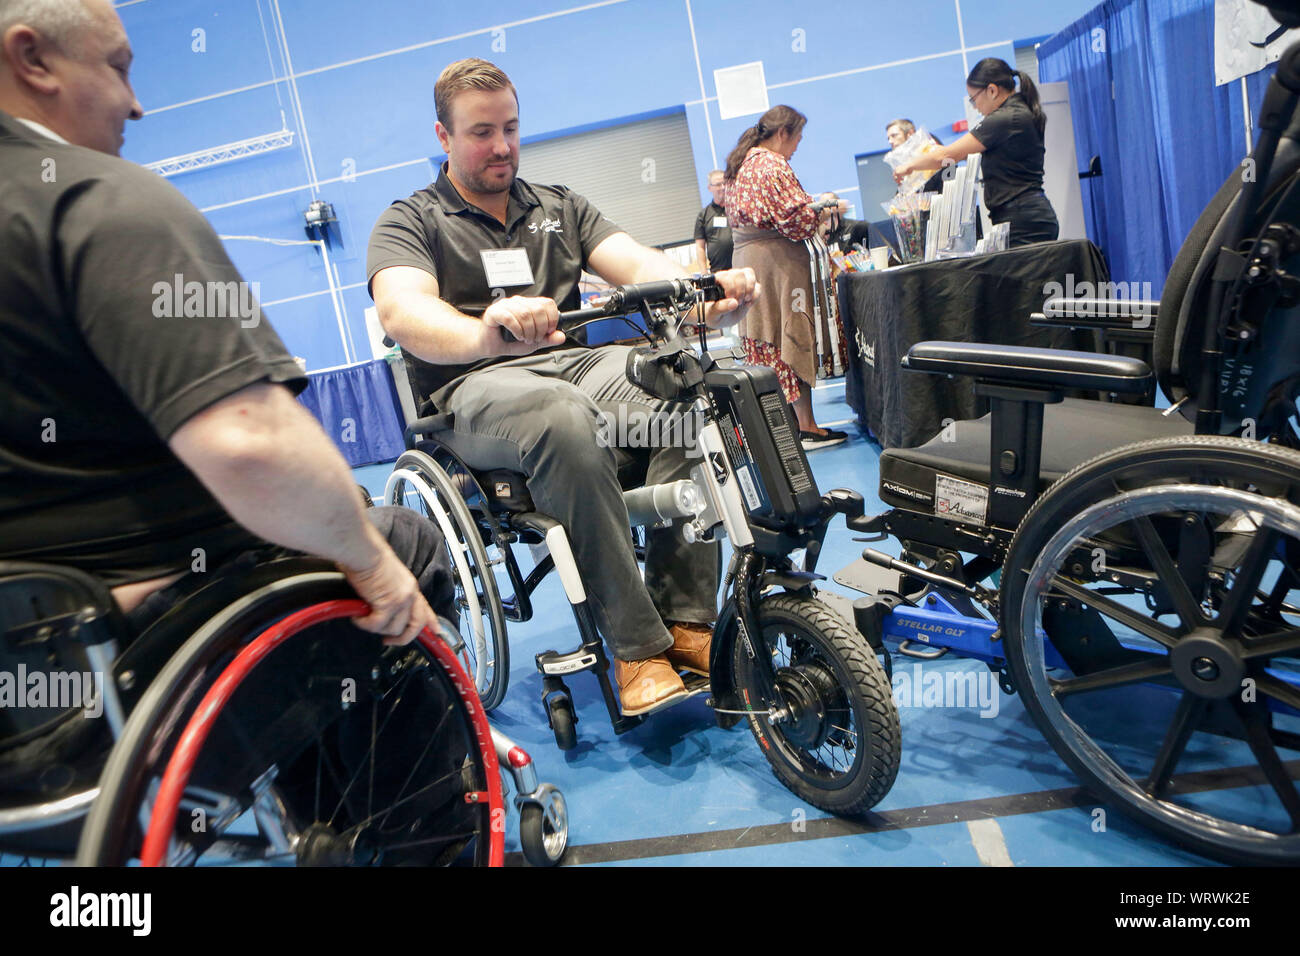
645,686
690,650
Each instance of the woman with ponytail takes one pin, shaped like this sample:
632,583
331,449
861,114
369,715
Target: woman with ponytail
1011,139
771,216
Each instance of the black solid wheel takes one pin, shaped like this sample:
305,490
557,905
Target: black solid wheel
562,721
478,599
1167,575
543,843
839,747
346,752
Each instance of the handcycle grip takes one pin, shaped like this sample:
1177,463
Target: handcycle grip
625,298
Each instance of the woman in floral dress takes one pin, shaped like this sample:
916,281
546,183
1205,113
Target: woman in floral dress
770,216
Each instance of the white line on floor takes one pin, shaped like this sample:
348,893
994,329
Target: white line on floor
990,845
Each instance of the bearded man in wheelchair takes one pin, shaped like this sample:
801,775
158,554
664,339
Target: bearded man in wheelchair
156,469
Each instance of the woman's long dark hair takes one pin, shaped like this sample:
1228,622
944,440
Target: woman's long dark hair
992,70
769,124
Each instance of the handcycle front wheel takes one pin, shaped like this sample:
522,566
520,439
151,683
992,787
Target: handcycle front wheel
837,745
312,744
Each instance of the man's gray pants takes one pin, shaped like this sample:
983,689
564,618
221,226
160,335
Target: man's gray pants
554,418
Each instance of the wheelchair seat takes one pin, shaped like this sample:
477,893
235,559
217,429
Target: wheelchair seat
1254,392
1074,431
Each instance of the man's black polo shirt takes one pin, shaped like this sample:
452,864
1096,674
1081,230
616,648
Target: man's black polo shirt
711,226
118,323
436,230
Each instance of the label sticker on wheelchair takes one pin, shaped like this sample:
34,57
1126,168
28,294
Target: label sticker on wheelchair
746,480
960,500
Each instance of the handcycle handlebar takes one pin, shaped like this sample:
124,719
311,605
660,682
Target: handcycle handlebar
626,298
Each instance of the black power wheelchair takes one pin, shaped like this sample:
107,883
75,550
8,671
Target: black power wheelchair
250,722
814,692
1132,573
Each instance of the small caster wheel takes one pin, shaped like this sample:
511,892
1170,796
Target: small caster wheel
562,721
544,833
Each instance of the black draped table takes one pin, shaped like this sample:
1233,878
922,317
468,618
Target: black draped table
985,298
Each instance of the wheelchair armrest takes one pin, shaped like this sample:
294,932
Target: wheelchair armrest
1118,314
1019,365
426,426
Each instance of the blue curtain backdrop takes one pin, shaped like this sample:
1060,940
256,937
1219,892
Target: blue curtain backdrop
359,409
1141,76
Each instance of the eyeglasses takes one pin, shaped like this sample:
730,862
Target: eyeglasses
977,93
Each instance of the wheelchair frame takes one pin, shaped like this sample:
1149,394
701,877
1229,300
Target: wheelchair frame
74,607
760,563
936,604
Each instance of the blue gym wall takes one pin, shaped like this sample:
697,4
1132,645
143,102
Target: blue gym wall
357,90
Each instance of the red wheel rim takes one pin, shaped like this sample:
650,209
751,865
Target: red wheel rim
181,765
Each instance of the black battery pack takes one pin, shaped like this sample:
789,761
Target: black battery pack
762,439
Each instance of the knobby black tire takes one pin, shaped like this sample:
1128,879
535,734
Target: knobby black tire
859,673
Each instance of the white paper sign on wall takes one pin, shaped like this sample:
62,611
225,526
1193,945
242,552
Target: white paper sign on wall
742,90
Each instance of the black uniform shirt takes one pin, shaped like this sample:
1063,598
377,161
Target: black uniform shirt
1013,152
98,366
711,226
436,230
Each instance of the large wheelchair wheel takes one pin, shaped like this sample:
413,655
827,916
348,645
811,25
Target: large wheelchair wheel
837,745
420,483
1167,575
311,744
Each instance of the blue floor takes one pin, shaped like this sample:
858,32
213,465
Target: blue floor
680,791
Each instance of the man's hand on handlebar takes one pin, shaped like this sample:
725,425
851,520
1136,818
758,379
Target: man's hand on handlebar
532,321
740,287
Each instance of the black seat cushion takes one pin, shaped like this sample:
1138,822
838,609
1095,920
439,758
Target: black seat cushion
1074,431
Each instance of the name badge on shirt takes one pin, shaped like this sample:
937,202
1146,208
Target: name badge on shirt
719,222
506,267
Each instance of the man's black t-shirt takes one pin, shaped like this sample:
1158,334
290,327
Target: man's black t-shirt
437,231
97,369
1013,152
711,226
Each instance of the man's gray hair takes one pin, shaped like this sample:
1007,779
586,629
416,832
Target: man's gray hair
62,21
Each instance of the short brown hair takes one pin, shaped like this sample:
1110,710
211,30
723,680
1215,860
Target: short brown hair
463,75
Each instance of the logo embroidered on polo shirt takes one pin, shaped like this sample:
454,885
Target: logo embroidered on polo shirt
546,225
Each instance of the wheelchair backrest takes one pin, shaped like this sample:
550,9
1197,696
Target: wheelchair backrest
1259,376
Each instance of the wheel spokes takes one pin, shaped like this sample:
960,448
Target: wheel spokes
1270,645
1133,673
1160,633
1187,607
1254,722
1186,719
1278,689
1232,614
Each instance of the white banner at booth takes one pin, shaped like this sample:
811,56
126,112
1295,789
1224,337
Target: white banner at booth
1246,39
